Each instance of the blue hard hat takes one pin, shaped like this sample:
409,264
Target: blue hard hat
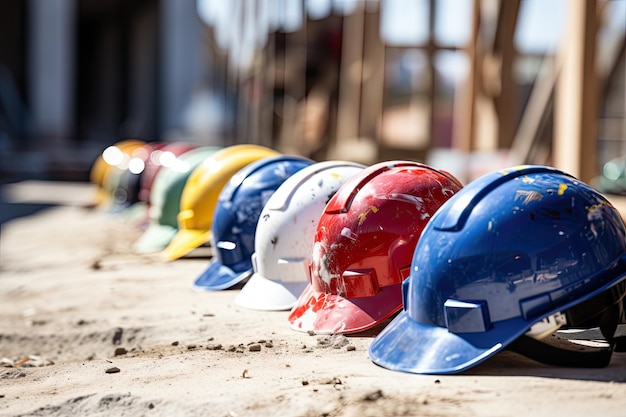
509,251
235,219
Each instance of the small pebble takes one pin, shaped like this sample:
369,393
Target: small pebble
212,346
373,396
331,381
120,351
255,348
112,370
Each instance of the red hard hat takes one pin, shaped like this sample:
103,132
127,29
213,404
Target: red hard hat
364,246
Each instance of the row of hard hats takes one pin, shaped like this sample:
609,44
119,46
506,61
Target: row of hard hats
463,272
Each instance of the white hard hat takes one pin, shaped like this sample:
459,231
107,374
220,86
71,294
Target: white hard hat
285,233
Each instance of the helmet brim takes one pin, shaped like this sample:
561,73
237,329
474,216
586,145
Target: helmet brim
408,346
154,239
219,277
261,293
325,313
185,241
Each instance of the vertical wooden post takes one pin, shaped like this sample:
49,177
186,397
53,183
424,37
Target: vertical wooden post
373,75
350,74
432,71
295,89
505,102
268,74
463,133
576,101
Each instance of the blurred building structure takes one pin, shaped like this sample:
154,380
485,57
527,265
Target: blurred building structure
466,85
79,75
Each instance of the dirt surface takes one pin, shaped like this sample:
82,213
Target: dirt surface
89,328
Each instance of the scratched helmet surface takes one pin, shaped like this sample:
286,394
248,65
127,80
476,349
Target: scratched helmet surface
236,216
364,244
285,232
504,255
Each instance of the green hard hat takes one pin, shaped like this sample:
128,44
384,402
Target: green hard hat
165,199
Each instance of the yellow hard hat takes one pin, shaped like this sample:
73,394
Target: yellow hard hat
113,157
200,194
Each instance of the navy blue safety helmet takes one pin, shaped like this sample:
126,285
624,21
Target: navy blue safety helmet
514,251
235,219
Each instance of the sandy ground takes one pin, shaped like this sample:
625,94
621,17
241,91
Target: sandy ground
75,304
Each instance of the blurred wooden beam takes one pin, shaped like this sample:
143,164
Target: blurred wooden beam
432,71
539,107
536,113
504,47
463,136
350,74
486,111
373,76
268,123
614,67
496,99
294,81
576,98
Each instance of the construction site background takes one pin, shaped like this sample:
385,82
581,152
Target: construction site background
465,85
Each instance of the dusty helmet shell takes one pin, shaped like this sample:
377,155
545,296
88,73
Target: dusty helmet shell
364,244
285,232
236,216
508,251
